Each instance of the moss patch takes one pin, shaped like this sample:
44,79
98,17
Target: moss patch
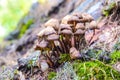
95,70
51,75
115,56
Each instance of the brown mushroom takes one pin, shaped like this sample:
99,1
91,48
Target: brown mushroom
74,53
86,18
93,25
52,23
78,14
80,26
69,19
47,31
42,45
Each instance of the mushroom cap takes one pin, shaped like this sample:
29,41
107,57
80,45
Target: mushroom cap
80,26
87,17
44,66
46,31
65,26
92,25
53,37
69,18
42,44
65,31
79,31
52,23
78,14
74,53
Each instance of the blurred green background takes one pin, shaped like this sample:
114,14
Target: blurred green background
11,11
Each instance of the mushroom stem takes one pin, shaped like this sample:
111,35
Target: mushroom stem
62,43
72,41
91,37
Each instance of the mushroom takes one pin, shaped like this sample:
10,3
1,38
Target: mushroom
71,20
92,26
79,34
52,23
52,38
47,31
44,65
86,18
42,45
78,14
80,26
67,34
74,53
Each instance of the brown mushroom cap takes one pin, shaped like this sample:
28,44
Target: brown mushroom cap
74,53
92,25
86,17
53,37
69,18
46,31
78,14
42,44
79,31
65,26
52,23
65,31
80,26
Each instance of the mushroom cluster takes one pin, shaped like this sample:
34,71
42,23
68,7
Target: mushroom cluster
65,36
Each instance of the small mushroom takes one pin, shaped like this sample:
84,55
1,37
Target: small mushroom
65,26
74,53
80,26
93,25
44,66
78,14
53,37
52,23
66,39
46,31
66,32
86,18
41,45
69,19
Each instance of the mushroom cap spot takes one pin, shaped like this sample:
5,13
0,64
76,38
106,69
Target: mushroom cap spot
52,23
65,26
87,17
53,37
43,44
65,31
74,53
79,31
78,14
93,25
80,26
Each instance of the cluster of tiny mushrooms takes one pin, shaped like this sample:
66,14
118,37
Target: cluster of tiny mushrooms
64,37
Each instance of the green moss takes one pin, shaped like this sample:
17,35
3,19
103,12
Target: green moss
115,56
51,75
95,70
107,10
25,27
64,58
